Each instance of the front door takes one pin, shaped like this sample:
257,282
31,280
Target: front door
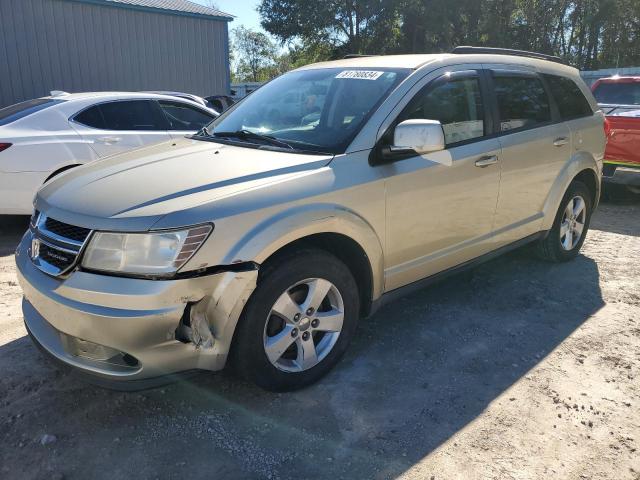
440,206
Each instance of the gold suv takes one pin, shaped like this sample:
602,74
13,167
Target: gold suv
334,188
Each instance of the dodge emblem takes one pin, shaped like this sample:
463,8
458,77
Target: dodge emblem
35,248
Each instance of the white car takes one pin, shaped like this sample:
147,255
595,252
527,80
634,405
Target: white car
42,138
187,96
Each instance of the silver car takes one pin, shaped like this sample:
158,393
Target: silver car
263,239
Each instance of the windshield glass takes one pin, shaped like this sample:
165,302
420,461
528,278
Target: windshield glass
618,93
21,110
313,110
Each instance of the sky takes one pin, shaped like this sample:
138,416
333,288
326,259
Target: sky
244,11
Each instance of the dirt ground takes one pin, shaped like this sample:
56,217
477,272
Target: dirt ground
517,369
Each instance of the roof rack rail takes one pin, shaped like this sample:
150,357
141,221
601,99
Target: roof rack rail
355,55
507,51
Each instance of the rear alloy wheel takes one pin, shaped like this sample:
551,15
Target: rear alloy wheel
572,224
569,227
298,322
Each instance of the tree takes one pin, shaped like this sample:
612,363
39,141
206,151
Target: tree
350,26
211,4
589,34
256,55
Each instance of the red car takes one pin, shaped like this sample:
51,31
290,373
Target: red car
619,98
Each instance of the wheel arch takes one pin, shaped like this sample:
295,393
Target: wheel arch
347,250
61,170
332,228
582,167
590,179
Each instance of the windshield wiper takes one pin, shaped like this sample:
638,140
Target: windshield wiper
249,135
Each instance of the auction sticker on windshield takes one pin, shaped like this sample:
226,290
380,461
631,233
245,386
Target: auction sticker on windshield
360,74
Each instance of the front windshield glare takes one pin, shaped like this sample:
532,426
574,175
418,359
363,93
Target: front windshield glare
314,110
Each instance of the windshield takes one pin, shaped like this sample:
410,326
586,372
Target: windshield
618,93
21,110
311,110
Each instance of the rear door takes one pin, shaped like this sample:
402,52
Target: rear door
183,118
535,146
117,126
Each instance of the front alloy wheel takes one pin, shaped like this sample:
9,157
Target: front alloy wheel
303,325
298,322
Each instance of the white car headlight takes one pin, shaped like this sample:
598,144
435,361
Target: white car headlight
153,253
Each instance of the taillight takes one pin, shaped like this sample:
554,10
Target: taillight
4,146
607,127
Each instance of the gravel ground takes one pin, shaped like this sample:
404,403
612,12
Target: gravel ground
517,369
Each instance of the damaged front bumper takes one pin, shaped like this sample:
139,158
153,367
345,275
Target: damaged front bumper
128,332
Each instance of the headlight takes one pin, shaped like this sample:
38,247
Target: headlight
153,253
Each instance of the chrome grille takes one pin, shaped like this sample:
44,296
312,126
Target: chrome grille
55,245
56,257
65,230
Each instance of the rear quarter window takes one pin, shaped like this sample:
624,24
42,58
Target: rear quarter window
21,110
569,98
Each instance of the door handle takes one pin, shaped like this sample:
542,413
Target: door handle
561,141
486,161
108,140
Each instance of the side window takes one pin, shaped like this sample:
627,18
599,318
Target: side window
457,104
570,99
184,117
91,117
132,115
522,102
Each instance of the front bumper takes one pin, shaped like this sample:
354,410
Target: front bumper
621,174
123,330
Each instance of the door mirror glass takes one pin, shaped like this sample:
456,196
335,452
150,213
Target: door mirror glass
419,135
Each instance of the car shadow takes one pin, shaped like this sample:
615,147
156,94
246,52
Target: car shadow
417,373
12,227
618,213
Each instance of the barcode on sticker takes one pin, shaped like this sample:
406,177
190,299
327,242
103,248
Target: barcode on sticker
360,74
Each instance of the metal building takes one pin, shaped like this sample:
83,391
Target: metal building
121,45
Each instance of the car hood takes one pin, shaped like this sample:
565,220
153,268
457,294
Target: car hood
132,191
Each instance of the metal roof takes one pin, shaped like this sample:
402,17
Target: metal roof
175,7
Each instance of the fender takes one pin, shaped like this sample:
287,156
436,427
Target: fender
579,161
287,226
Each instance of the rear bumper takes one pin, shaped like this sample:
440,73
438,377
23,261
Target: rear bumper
621,174
117,330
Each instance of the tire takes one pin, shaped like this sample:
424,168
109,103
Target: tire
557,247
275,326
